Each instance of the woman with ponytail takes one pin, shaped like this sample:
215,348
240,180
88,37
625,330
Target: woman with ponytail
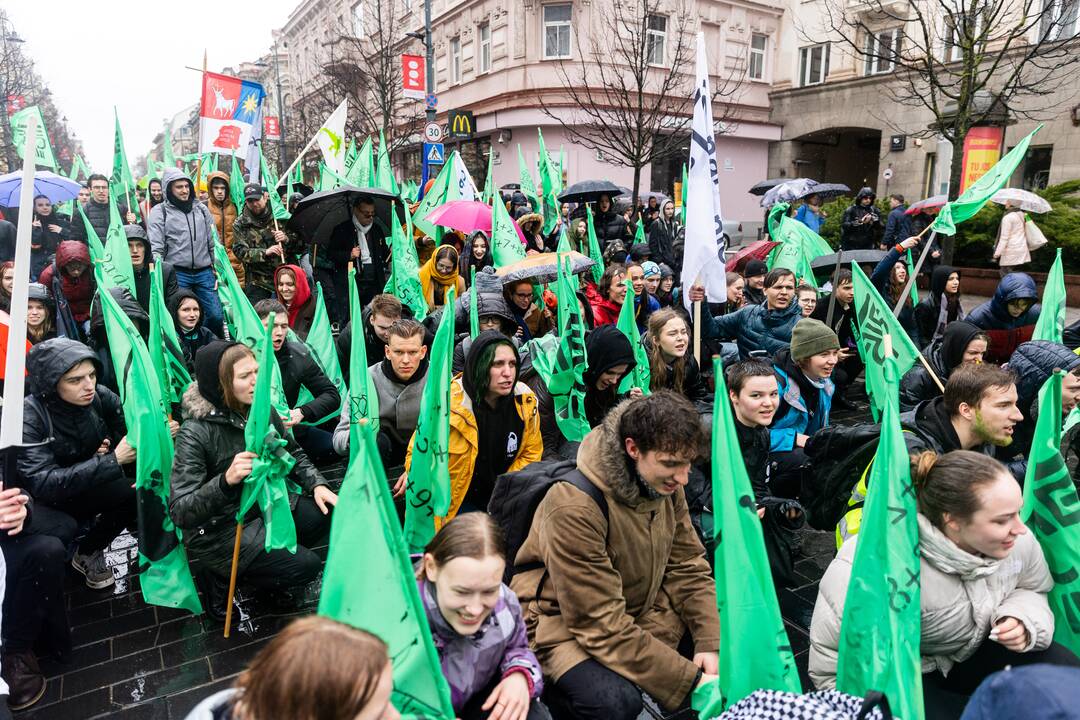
984,583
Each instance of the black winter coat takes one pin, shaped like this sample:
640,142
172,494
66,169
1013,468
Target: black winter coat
298,368
943,355
754,446
610,226
98,215
854,234
61,460
201,503
662,238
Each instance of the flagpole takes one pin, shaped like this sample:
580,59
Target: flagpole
914,274
697,324
301,155
832,295
232,576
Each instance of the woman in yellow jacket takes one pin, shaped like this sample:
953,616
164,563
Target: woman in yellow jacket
494,423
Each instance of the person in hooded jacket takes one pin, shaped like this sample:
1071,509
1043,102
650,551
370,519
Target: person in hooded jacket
208,472
493,313
439,274
663,233
98,338
313,422
72,283
961,343
40,311
861,224
181,233
608,223
261,244
48,231
611,358
97,211
186,311
610,296
294,293
139,249
494,424
941,305
154,196
75,451
890,278
753,290
225,212
1009,317
766,327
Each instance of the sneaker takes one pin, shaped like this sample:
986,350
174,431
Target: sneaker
25,682
98,575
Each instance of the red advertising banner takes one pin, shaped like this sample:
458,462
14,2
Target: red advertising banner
271,128
15,103
982,148
413,74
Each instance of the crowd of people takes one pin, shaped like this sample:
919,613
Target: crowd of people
596,585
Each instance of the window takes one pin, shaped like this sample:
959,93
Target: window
358,19
930,171
961,31
1058,21
655,39
882,48
407,4
455,60
557,31
483,54
813,64
758,45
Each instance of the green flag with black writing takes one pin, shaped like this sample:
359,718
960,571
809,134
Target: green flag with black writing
506,247
404,281
594,245
164,575
363,400
43,153
640,376
1051,323
369,583
428,493
1052,513
979,193
875,320
166,355
882,623
756,653
112,261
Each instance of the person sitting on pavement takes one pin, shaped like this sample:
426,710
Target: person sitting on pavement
671,364
72,283
890,277
210,466
75,451
961,343
439,274
533,320
941,305
493,313
40,313
313,422
98,339
186,311
610,359
753,290
1008,317
494,424
764,328
612,293
622,601
262,244
383,311
476,623
850,363
984,584
139,249
294,293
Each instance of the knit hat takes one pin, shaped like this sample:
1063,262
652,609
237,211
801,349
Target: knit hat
810,337
650,269
666,271
754,268
207,361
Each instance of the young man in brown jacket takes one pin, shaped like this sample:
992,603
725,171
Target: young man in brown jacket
616,598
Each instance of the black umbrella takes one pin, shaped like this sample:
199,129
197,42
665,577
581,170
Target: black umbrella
589,191
301,188
316,216
828,262
766,185
827,191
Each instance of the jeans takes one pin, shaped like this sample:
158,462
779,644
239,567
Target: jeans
335,287
590,691
204,285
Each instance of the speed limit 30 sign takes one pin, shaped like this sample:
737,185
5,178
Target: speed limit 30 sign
433,132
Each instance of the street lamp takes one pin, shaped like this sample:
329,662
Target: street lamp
281,114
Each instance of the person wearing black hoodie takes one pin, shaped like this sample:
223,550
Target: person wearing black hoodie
48,231
611,358
961,343
186,311
861,223
754,273
139,247
941,305
99,338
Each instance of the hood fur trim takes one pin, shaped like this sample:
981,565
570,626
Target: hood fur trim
602,459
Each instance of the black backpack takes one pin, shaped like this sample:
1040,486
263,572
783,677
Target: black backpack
838,455
517,495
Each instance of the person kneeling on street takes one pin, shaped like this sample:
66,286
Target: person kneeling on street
617,595
209,468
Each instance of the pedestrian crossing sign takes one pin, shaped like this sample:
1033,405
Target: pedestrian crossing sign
434,154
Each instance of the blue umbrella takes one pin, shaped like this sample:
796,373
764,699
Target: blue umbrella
55,187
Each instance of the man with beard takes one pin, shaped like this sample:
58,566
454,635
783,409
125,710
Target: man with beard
96,210
261,244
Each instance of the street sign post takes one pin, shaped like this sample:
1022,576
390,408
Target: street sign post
430,154
433,132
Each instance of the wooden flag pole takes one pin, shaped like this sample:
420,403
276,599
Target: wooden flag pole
914,273
832,280
232,577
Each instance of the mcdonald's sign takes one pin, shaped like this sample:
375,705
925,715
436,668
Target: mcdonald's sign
461,123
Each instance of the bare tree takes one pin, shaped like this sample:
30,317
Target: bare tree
16,81
968,62
629,89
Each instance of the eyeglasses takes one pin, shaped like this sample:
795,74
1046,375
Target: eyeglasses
523,296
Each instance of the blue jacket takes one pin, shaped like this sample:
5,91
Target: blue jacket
897,227
755,327
809,218
797,420
994,313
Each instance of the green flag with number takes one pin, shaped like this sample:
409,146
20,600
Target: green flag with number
164,576
979,193
166,355
640,376
1051,323
112,261
428,492
756,654
506,247
875,320
366,547
363,400
43,153
882,623
1052,513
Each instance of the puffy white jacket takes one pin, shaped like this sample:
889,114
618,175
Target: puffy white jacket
962,597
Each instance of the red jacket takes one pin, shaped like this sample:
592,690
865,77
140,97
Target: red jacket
78,291
605,312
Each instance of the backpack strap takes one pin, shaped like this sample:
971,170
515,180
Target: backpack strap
582,483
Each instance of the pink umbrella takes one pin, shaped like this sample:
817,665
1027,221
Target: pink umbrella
935,201
468,216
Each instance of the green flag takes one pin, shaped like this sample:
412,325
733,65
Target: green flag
166,355
428,492
366,546
363,400
404,280
528,187
756,654
594,246
490,191
639,231
270,181
121,182
549,188
384,173
1052,513
684,184
112,261
350,155
474,313
978,193
164,576
43,154
798,245
236,185
320,341
506,247
639,377
875,321
265,486
439,193
1051,323
362,171
879,634
167,155
911,273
